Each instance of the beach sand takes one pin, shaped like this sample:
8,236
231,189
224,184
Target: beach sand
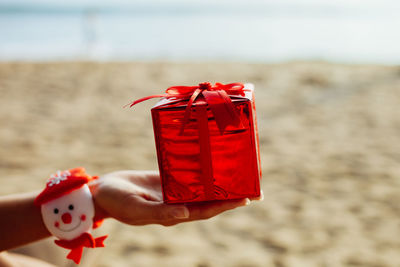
330,151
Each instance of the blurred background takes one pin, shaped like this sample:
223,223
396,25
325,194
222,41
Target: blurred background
255,30
327,81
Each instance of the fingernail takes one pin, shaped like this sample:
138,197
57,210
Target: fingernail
247,202
180,213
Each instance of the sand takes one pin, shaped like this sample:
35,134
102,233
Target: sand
329,139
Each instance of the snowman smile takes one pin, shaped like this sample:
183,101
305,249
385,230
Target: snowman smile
72,228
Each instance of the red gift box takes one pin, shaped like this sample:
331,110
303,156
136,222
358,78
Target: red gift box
207,142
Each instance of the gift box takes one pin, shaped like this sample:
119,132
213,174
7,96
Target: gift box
207,142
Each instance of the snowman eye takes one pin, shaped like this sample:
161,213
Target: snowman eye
55,211
71,207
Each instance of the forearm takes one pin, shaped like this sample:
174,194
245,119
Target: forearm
20,221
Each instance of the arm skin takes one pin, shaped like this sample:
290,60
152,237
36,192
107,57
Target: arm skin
131,197
20,221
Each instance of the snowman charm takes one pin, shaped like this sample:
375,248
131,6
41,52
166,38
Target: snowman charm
68,211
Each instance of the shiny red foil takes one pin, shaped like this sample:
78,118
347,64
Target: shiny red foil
201,164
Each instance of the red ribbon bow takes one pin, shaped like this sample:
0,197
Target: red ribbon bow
217,97
76,245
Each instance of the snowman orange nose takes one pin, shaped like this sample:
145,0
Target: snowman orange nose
66,218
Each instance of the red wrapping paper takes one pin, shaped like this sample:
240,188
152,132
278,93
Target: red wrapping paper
207,143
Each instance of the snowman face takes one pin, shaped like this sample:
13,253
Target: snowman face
71,215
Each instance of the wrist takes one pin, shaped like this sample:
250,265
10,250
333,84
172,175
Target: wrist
100,213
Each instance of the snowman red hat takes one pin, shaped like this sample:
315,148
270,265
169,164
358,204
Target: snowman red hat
63,183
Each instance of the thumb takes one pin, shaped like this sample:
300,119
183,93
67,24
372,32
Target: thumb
147,211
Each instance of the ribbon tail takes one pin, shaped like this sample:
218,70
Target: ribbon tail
223,109
188,110
75,255
230,107
144,99
99,241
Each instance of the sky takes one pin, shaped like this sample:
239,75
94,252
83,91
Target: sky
340,30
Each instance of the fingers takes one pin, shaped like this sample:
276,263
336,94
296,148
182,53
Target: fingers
207,210
156,212
143,212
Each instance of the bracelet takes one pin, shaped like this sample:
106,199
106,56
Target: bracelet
68,211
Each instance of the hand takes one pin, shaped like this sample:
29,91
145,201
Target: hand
135,197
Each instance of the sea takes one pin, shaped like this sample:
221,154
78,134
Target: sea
348,31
